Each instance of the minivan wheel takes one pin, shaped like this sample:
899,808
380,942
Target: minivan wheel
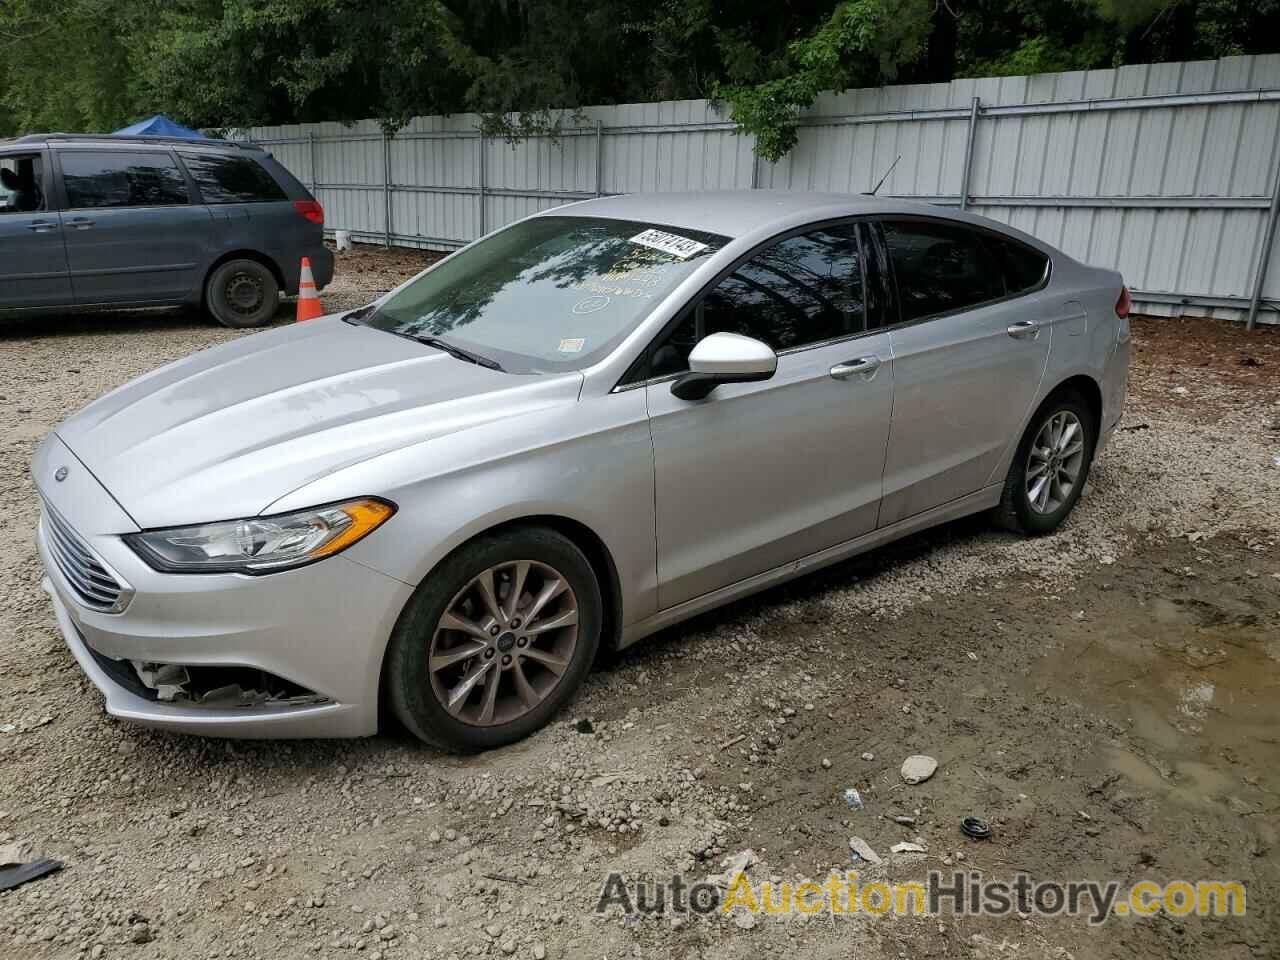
242,293
1050,467
495,641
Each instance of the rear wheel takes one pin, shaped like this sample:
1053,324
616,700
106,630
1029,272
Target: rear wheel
495,641
242,293
1050,467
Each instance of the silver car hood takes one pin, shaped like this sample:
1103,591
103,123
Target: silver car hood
226,432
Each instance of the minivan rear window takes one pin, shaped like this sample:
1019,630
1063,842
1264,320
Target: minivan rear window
228,179
118,178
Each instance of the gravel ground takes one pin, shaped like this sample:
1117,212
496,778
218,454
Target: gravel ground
1107,697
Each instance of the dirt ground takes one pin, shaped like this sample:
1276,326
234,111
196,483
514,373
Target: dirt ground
1107,697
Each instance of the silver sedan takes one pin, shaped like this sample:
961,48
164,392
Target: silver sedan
581,429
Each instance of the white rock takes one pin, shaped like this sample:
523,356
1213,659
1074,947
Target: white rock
907,847
918,769
863,850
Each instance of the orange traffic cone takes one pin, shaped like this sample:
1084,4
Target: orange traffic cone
308,300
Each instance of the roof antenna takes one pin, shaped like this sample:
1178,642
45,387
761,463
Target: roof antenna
876,189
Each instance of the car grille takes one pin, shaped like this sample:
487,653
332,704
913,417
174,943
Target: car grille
94,585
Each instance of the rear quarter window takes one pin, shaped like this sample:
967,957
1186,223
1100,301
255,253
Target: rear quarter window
231,179
1024,269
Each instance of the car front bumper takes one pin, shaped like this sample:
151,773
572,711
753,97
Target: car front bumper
323,627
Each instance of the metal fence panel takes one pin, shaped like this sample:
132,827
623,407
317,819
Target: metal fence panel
1165,172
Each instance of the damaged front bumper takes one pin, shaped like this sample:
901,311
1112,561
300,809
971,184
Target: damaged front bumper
126,699
293,654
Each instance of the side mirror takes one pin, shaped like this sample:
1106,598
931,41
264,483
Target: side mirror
724,358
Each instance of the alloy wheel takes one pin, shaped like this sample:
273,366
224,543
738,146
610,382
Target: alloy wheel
1055,462
503,642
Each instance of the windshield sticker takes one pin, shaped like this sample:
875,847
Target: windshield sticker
572,344
591,304
677,246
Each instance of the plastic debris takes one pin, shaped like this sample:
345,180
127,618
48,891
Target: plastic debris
975,827
853,799
15,875
907,847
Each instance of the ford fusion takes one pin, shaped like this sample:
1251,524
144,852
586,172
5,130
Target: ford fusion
566,436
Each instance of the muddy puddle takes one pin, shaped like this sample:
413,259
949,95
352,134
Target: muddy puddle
1194,678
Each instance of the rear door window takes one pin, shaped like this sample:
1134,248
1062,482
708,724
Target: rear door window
118,178
940,268
231,179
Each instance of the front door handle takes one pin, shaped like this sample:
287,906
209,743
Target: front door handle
41,226
865,367
80,223
1024,330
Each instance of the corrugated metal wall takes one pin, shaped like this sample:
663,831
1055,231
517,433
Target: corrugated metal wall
1163,171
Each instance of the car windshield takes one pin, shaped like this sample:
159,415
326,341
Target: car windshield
548,294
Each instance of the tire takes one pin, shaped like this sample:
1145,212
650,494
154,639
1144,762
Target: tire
418,695
1017,510
241,294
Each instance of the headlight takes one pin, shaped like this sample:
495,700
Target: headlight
261,544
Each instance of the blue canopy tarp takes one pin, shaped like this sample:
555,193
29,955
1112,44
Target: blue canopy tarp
159,126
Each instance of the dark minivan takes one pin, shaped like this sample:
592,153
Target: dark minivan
108,221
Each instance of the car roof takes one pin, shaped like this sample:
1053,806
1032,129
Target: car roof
734,213
111,140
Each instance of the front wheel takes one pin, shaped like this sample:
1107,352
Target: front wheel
495,641
1050,467
242,293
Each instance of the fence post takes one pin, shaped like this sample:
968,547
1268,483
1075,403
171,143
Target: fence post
968,152
755,165
311,149
1264,258
483,173
386,187
599,159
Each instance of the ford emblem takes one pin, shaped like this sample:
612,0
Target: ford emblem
60,474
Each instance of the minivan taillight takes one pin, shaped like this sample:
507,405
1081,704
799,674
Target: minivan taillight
310,210
1123,303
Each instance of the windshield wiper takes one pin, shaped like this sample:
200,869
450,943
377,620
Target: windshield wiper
455,351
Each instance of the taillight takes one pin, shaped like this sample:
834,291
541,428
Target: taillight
310,210
1123,304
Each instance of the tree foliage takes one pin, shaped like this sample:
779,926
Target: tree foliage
526,65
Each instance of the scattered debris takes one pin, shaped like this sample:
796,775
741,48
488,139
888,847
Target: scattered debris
918,768
975,827
1180,391
584,726
863,851
904,821
15,875
908,847
1135,427
868,756
826,763
853,798
733,741
503,878
740,862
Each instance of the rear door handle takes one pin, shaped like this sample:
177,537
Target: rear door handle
865,367
1024,330
80,223
41,226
